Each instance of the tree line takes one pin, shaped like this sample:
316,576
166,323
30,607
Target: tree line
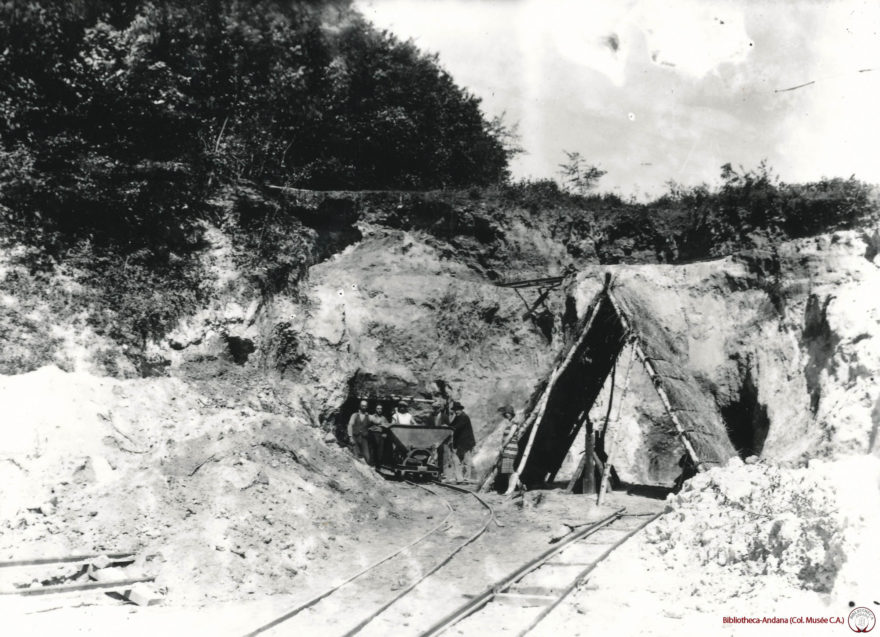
120,117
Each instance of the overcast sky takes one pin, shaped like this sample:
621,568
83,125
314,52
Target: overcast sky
653,91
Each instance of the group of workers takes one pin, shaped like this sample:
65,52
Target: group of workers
367,432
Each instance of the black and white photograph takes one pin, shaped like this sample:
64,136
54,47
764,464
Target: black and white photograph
420,318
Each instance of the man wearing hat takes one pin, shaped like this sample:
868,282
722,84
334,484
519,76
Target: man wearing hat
463,442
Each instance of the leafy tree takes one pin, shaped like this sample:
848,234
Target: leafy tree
120,119
578,176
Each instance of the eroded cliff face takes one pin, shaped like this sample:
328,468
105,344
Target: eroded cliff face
785,341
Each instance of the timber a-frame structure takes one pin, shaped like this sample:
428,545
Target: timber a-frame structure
560,407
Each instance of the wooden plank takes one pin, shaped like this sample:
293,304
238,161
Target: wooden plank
64,560
515,599
543,591
70,588
554,281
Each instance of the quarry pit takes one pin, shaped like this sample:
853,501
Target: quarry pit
229,480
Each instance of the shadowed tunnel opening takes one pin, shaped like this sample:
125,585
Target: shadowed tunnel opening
746,418
572,396
388,390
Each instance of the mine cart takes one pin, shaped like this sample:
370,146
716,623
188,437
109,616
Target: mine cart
414,451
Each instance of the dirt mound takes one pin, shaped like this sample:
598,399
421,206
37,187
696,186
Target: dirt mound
218,501
742,540
754,520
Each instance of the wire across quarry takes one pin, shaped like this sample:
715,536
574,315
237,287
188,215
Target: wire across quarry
363,572
500,588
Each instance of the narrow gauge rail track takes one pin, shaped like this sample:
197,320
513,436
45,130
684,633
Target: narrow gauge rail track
400,551
515,589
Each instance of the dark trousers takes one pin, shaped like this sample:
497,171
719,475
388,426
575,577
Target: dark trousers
362,447
380,446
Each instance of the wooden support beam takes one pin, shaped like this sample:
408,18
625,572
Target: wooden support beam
592,310
656,381
615,433
542,405
551,281
543,293
588,479
69,588
578,473
584,472
523,299
568,443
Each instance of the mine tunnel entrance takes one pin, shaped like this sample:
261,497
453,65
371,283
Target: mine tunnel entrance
746,419
407,446
388,390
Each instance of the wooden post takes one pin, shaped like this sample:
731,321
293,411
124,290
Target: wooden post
577,475
589,478
609,446
583,475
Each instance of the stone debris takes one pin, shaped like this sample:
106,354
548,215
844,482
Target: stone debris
755,519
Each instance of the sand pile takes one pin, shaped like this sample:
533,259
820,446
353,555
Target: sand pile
756,519
219,499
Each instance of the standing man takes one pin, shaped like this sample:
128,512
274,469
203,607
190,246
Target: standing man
402,416
378,434
509,448
463,442
443,418
358,425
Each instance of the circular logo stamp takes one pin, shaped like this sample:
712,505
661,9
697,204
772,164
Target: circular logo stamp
861,620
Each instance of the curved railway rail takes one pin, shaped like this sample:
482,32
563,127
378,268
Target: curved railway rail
388,603
512,588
